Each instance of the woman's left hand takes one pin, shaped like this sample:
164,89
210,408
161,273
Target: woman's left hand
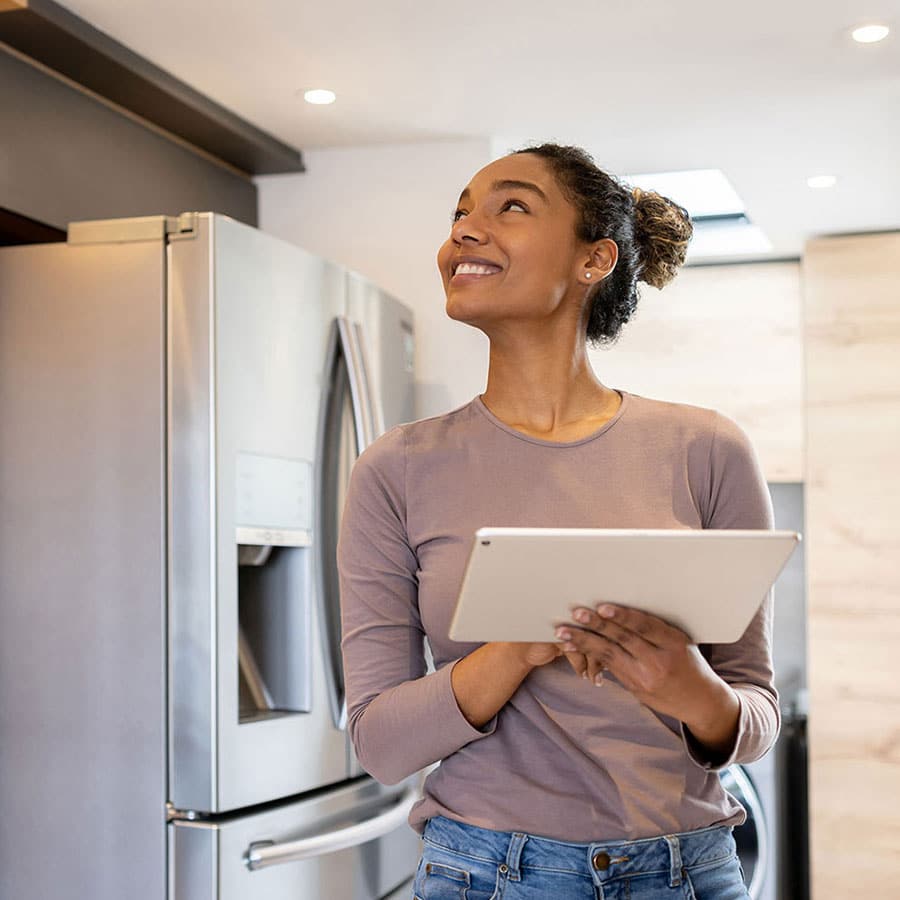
657,662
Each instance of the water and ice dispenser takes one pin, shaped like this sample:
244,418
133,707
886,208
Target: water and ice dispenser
275,596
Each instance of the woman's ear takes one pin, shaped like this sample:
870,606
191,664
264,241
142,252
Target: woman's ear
604,256
599,262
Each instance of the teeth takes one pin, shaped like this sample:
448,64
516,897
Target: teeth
475,269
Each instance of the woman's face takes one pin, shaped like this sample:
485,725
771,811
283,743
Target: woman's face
512,252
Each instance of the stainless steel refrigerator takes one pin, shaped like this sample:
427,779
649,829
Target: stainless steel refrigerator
181,401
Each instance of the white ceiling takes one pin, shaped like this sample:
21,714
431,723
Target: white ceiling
770,92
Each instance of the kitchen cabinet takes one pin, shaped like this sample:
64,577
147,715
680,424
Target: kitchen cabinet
852,331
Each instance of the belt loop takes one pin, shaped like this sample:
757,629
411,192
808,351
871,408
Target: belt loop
675,863
513,855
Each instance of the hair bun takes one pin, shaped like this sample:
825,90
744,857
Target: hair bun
662,230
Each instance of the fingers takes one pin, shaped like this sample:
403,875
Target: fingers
620,623
578,662
639,649
599,650
621,639
595,670
630,641
588,667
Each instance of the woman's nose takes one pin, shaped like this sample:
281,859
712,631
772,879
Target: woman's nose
468,228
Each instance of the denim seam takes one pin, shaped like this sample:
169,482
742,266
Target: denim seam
711,859
711,863
607,844
610,844
641,874
485,859
557,871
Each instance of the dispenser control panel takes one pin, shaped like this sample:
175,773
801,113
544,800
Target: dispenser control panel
274,502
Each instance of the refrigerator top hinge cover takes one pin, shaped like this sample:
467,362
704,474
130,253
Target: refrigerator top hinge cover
181,227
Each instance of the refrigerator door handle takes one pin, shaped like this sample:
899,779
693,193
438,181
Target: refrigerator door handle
360,395
373,404
262,854
345,378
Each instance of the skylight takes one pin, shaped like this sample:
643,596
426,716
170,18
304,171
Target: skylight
721,224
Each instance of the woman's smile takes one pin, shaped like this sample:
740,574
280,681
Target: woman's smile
466,269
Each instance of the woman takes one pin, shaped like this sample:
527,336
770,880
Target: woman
549,787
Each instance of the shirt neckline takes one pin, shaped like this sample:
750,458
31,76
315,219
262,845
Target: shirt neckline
480,405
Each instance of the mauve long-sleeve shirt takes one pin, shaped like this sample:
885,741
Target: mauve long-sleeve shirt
562,758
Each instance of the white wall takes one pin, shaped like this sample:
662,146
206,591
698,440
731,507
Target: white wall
384,211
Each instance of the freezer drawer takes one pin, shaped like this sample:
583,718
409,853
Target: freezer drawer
289,853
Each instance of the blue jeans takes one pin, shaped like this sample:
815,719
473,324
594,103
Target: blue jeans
462,862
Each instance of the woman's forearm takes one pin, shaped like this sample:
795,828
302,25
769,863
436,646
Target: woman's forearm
485,679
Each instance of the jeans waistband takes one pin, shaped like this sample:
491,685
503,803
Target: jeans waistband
599,860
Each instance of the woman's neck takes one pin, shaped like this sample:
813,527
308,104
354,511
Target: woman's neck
548,393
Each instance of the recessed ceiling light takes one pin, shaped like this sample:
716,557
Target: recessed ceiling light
822,181
319,96
869,34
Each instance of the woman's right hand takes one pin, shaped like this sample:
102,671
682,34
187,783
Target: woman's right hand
534,654
539,654
484,680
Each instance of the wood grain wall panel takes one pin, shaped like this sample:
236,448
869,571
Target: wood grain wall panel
727,337
852,335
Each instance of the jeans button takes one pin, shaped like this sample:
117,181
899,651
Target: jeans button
601,861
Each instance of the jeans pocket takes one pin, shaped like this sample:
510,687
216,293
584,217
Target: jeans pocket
722,879
449,877
445,882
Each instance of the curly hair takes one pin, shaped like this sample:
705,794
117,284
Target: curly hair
651,232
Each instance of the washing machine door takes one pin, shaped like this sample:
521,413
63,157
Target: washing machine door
752,838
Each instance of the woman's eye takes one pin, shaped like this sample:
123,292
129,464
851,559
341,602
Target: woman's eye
457,214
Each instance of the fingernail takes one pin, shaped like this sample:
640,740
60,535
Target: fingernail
585,675
581,615
569,648
598,679
563,634
606,611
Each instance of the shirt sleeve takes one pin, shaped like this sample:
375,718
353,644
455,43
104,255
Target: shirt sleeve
738,497
400,719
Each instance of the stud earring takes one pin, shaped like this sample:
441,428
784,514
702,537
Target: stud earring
587,274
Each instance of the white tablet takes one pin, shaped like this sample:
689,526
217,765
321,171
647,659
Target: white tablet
521,582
